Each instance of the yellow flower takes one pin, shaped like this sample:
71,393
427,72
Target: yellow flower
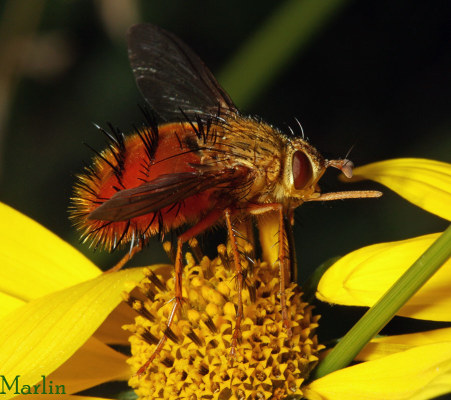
195,360
58,313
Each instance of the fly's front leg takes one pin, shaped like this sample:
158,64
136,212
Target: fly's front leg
283,272
240,282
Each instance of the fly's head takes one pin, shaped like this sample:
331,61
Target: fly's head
304,166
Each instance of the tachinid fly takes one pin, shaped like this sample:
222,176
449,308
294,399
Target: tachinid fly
202,164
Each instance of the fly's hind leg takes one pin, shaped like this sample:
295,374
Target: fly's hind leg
124,260
205,223
178,299
283,272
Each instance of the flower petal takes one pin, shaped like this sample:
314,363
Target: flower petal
35,261
425,183
111,331
8,303
360,278
268,226
41,335
93,364
386,345
419,373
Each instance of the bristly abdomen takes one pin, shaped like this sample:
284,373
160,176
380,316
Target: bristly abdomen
130,162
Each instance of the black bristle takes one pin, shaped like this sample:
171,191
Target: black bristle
150,223
160,226
116,147
116,168
178,139
127,227
95,230
196,130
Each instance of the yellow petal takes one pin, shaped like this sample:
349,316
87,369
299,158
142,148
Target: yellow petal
360,278
386,345
34,261
41,335
111,331
425,183
268,227
8,303
419,373
93,364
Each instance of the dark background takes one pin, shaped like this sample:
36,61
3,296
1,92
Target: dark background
373,74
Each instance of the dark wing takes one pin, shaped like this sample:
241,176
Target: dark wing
171,77
166,190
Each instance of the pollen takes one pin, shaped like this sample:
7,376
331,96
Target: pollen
196,362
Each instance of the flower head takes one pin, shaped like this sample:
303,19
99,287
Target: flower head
196,359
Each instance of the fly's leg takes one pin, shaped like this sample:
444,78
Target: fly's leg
205,223
240,283
178,298
283,272
124,260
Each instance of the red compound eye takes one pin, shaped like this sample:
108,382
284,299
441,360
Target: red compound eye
302,170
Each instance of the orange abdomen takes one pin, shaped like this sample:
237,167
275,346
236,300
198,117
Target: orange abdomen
128,163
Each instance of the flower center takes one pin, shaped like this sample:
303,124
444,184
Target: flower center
195,362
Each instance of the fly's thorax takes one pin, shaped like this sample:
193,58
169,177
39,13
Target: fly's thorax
280,168
257,146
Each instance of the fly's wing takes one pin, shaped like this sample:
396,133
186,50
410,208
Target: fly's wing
171,77
166,190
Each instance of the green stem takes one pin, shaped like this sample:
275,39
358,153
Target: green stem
384,310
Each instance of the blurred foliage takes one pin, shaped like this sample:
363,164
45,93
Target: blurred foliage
373,75
282,35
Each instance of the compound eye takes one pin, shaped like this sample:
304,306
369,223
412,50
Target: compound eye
302,170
